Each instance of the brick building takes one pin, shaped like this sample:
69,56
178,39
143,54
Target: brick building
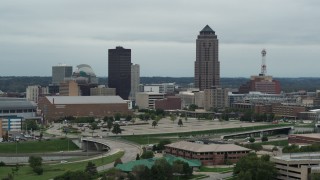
169,103
208,154
304,138
55,107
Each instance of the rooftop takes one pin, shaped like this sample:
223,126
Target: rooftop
196,147
207,29
85,99
314,135
14,103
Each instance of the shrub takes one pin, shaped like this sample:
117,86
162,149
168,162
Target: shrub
38,170
2,164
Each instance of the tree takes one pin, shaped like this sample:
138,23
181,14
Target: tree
141,172
128,118
173,118
147,155
74,175
154,123
109,124
252,140
93,126
180,123
252,167
30,125
138,156
162,143
41,135
91,169
35,162
192,107
161,170
116,129
264,138
182,168
117,116
116,162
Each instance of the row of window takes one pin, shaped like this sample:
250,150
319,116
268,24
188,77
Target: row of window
17,111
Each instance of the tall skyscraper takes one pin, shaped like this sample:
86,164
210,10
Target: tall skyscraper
135,80
119,71
60,72
207,65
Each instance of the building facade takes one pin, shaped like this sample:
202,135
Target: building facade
263,84
119,71
215,98
69,88
135,81
55,107
32,93
207,65
168,103
208,154
102,91
146,100
60,72
296,166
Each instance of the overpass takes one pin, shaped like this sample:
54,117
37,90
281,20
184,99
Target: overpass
261,132
94,144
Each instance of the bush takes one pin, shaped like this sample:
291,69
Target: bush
264,138
38,170
252,140
2,164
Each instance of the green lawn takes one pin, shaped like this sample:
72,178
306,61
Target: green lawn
55,145
155,138
51,171
218,170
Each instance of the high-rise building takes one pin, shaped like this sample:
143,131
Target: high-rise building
119,71
135,80
32,93
60,72
207,65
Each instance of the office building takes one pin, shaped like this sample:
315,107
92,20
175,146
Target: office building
60,72
119,71
69,88
207,65
215,98
146,100
208,154
102,91
135,80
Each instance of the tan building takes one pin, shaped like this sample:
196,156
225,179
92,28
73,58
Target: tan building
102,91
146,100
208,154
215,98
296,166
55,107
69,88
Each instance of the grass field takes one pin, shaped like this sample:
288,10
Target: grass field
155,138
51,171
55,145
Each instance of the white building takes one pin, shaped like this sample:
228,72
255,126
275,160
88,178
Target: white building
166,88
32,93
146,100
135,81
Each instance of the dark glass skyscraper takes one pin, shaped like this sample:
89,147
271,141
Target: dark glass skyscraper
207,65
119,71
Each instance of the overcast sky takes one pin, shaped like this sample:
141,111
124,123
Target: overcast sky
36,35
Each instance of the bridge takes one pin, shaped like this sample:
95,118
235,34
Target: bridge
261,132
94,144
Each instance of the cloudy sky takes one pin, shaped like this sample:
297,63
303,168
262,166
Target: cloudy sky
37,34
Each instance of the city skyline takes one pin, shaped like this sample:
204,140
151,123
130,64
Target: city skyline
39,35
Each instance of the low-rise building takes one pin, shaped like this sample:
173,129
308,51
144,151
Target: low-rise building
55,107
208,154
305,139
168,103
146,100
296,166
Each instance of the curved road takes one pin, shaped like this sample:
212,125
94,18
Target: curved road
130,150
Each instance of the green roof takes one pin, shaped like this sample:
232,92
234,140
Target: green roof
127,167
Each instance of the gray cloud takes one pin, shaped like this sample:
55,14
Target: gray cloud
159,33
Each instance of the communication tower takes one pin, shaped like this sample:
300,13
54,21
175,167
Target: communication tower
263,65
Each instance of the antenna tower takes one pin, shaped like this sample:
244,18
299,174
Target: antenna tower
263,65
